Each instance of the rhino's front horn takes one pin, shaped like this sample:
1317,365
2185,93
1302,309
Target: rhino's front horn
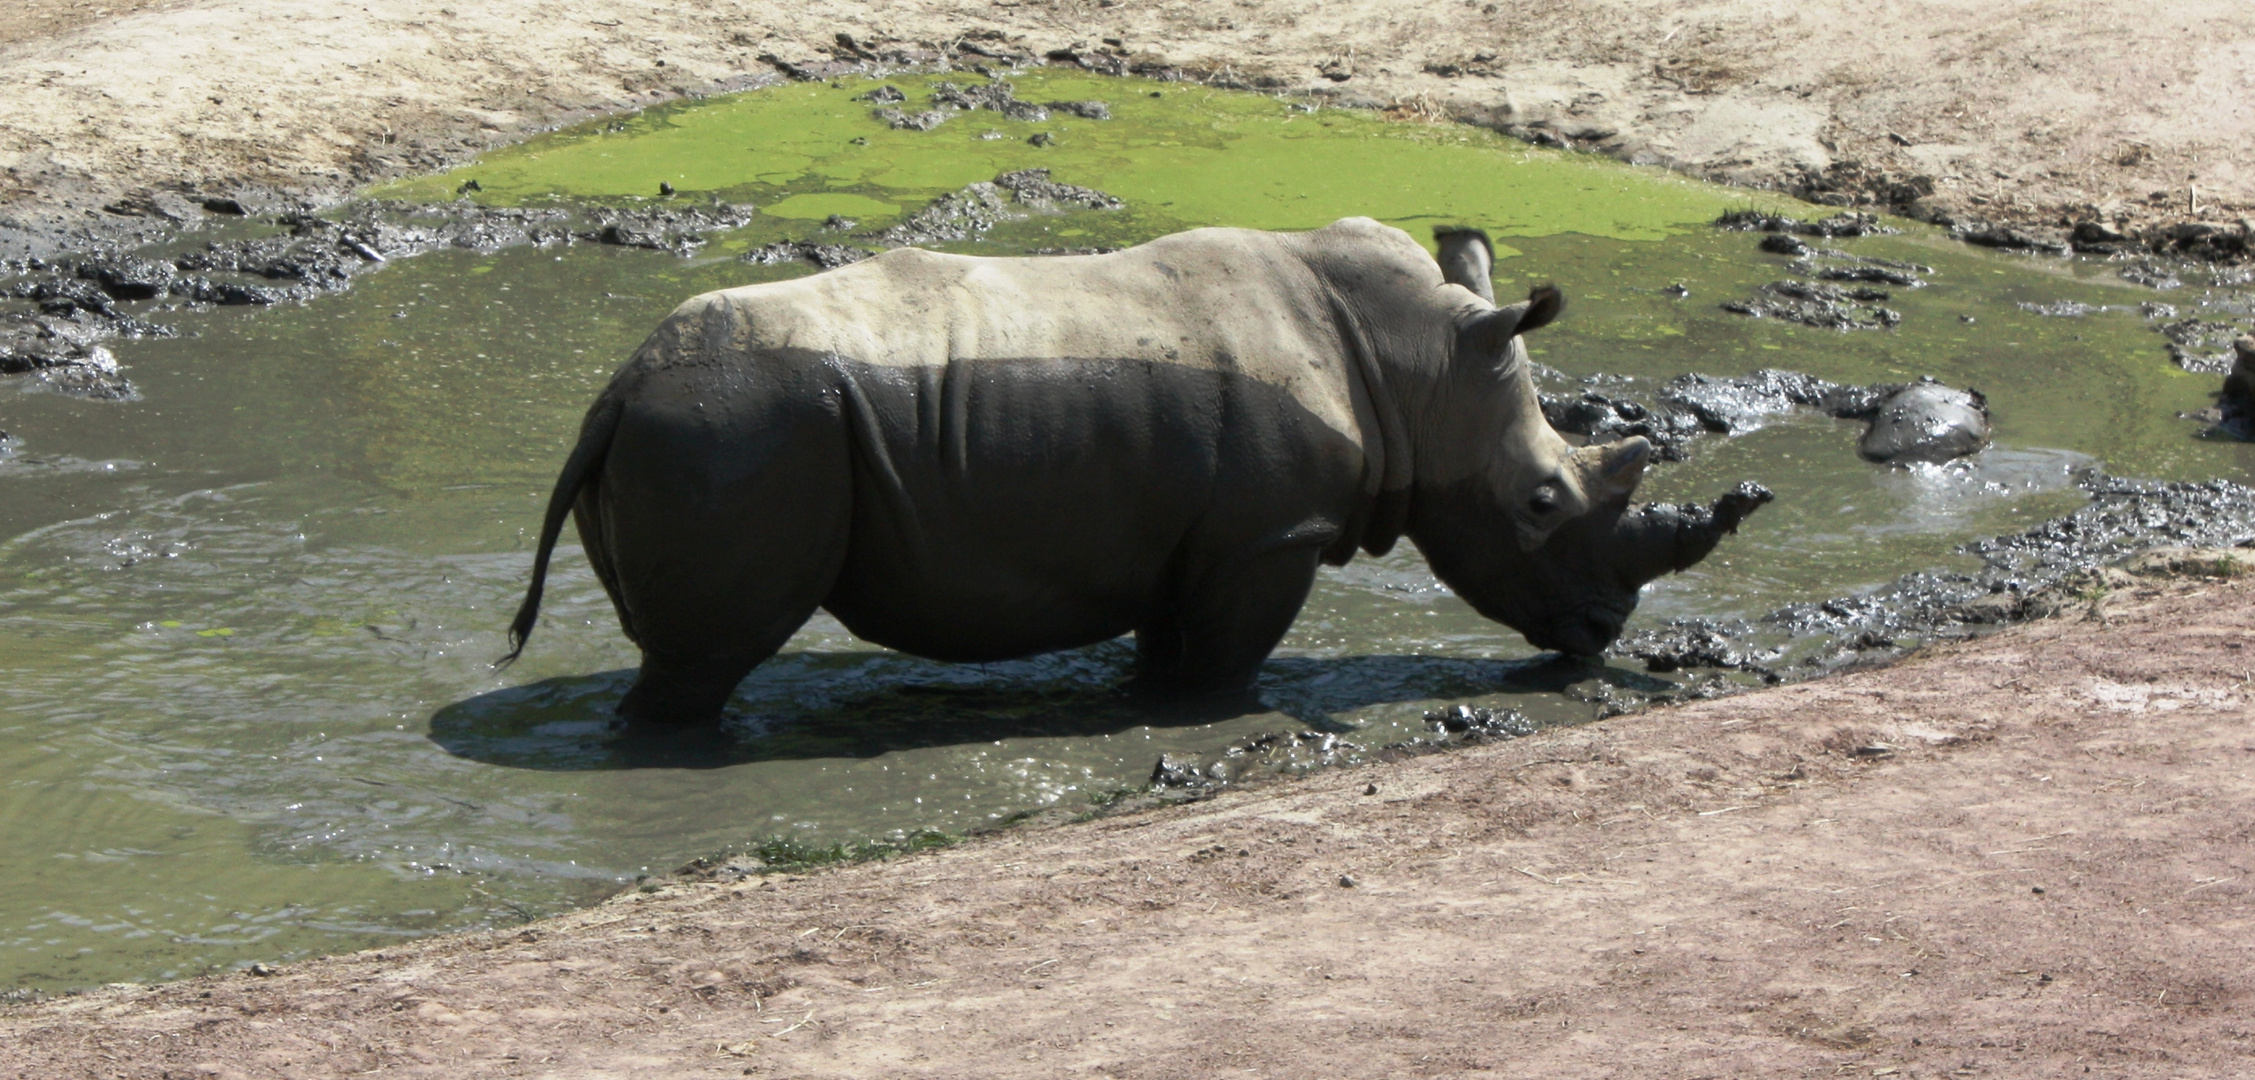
1653,539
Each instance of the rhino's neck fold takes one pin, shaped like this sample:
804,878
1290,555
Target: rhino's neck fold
1390,454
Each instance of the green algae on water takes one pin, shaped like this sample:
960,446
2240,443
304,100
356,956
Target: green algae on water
1182,156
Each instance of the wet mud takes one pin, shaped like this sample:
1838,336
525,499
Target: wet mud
1922,421
1277,754
1846,292
1825,307
69,306
2032,574
956,217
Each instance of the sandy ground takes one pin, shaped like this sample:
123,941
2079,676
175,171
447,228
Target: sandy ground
2032,855
2032,110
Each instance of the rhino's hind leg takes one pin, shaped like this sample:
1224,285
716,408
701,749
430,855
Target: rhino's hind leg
711,630
1210,645
694,653
671,692
718,553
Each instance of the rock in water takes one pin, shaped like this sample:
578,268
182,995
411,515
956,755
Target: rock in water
1927,421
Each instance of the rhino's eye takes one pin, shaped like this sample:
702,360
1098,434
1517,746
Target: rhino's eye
1544,500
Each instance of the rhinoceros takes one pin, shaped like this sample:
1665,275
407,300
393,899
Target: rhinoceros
975,459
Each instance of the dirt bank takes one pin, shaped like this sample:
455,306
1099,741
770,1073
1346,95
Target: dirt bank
2030,110
2028,855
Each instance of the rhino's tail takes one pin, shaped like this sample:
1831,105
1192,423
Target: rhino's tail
594,445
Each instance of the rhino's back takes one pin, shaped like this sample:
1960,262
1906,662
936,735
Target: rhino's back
1231,300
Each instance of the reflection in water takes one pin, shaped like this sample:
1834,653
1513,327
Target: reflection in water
1947,498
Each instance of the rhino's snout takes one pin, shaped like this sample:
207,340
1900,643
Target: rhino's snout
1610,558
1574,593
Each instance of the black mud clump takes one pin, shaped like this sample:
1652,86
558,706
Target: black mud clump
1266,755
952,218
1034,188
61,363
2155,274
677,229
1789,244
1848,224
2011,238
2046,569
66,307
956,216
1274,754
823,256
1914,422
2195,241
1602,415
1737,404
2203,241
1474,723
965,214
997,96
1873,275
1719,645
2199,345
902,120
1823,306
129,278
1832,264
2095,238
949,99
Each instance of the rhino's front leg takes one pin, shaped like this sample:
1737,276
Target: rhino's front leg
1207,647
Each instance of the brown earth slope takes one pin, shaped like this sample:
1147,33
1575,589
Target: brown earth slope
2032,855
2021,109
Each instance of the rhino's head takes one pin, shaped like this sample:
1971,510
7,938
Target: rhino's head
1531,531
1574,592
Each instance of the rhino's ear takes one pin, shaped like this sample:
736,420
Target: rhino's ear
1544,305
1491,332
1467,258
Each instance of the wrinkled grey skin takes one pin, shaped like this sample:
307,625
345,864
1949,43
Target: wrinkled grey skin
1927,422
976,459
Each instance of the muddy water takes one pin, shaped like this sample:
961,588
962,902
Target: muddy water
246,622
